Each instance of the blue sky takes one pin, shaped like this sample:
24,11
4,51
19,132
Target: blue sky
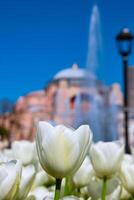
40,37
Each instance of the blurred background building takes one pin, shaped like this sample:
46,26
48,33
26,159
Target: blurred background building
66,99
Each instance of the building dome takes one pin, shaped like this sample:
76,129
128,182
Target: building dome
71,73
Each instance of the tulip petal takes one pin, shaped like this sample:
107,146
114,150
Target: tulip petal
9,185
62,152
84,136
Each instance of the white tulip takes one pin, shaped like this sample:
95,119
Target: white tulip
10,173
24,151
49,196
3,158
62,150
115,195
127,159
106,158
42,178
84,174
127,177
8,153
38,193
95,186
27,179
125,195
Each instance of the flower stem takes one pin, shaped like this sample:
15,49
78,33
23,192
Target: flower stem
104,188
57,189
132,197
66,188
69,187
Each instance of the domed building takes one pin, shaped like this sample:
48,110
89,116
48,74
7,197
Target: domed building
74,76
56,103
71,73
71,83
66,99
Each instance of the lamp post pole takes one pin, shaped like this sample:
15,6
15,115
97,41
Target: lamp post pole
124,39
125,75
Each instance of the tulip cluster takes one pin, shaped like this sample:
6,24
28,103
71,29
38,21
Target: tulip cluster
64,163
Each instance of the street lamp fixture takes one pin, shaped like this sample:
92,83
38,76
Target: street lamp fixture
124,42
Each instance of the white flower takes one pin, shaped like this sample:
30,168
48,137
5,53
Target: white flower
42,178
49,196
3,158
38,193
95,187
106,158
84,174
115,195
24,151
10,173
27,179
127,159
125,195
62,150
8,153
127,177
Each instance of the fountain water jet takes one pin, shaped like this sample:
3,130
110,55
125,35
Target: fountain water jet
101,114
94,54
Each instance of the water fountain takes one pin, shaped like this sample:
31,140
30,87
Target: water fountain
101,116
94,53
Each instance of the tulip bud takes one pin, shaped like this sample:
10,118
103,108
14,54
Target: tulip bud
62,150
27,179
24,151
127,177
42,178
106,158
38,193
84,174
10,173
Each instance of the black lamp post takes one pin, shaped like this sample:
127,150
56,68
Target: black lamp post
124,41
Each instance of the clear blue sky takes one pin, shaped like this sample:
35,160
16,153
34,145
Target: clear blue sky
40,37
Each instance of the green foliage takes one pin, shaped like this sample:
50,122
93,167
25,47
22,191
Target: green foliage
4,133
